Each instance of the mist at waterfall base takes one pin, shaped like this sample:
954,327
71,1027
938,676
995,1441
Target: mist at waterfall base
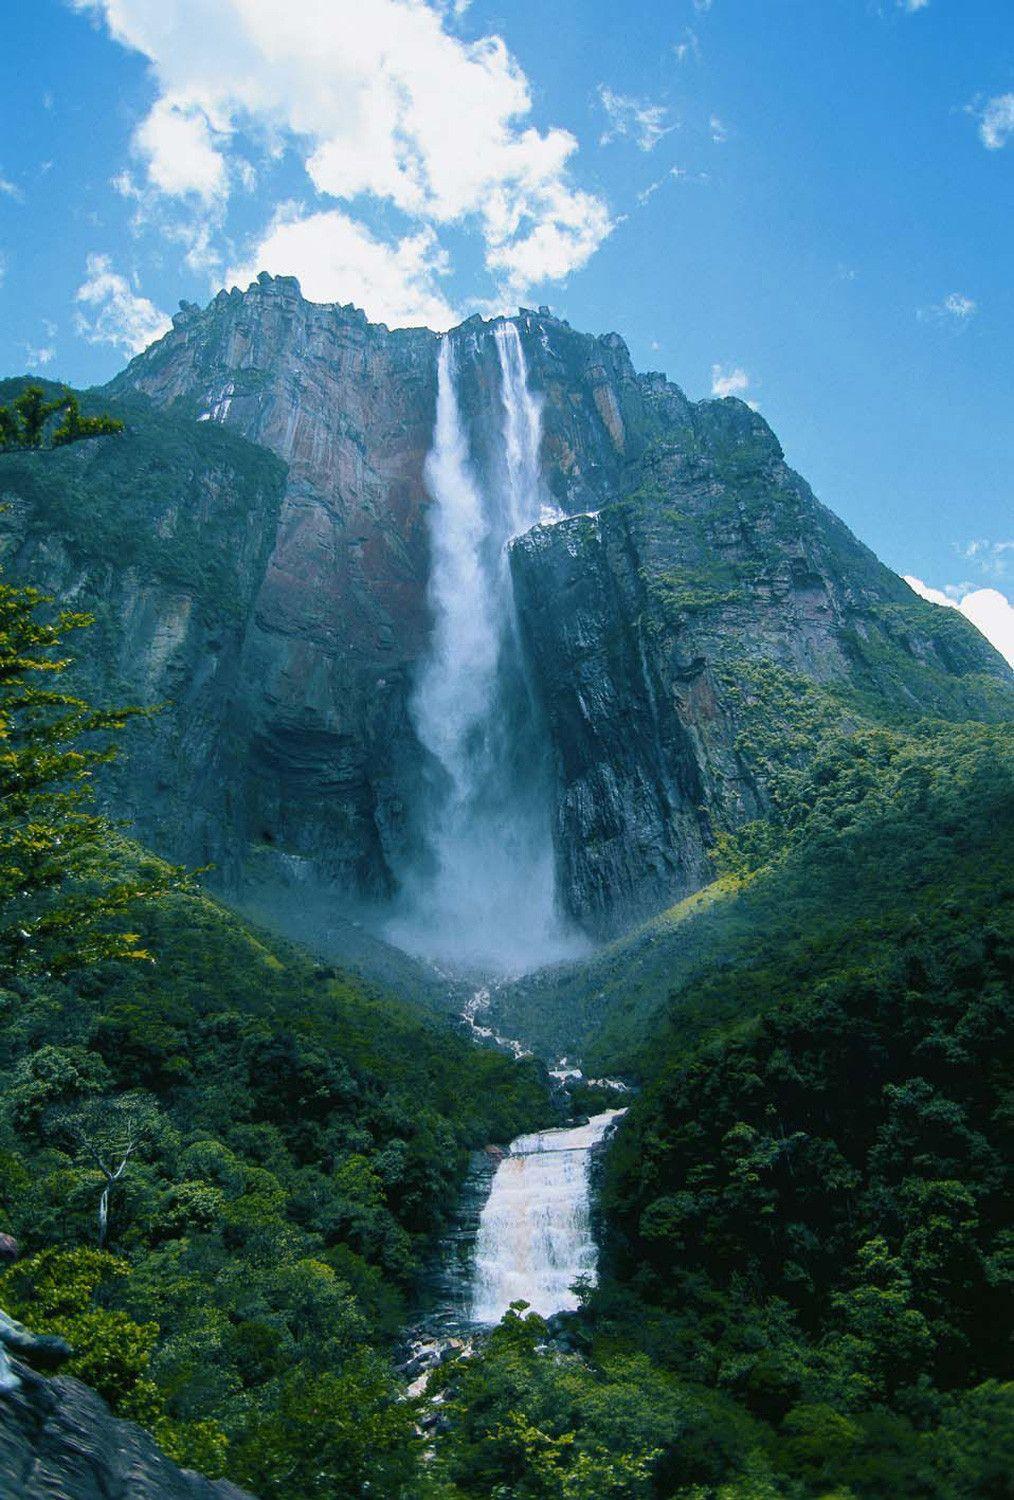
485,898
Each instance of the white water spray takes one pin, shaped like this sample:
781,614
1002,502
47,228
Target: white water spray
526,499
535,1237
487,899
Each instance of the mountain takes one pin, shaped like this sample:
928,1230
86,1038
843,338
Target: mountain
402,601
257,551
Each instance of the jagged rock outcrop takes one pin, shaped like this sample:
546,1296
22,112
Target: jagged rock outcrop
256,549
59,1441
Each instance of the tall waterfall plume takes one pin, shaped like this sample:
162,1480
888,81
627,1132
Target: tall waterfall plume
486,898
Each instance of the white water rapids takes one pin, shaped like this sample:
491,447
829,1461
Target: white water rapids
486,897
535,1235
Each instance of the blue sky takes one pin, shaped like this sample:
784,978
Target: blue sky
807,203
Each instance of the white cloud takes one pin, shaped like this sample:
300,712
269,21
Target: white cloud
39,357
551,250
674,174
996,121
990,558
688,46
633,119
911,6
112,312
989,611
10,189
195,229
702,5
728,382
719,130
340,260
176,142
380,100
955,308
958,305
43,354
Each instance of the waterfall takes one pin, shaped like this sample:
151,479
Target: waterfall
486,898
535,1236
527,502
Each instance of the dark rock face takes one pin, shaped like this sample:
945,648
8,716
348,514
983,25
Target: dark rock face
714,579
59,1441
275,597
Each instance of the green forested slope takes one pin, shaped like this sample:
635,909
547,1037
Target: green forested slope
806,1288
873,826
223,1163
303,1141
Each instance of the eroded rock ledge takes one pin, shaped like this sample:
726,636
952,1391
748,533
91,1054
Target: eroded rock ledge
60,1441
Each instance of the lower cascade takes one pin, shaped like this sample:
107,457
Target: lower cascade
535,1235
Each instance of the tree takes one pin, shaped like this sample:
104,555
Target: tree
33,411
109,1133
74,426
23,423
64,886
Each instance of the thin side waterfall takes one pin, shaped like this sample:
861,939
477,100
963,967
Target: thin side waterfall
486,899
535,1237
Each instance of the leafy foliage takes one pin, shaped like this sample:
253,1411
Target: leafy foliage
60,901
806,1208
226,1165
24,423
308,1144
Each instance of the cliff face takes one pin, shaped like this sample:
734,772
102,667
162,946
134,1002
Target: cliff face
256,549
696,635
59,1441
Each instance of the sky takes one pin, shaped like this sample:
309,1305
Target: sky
805,203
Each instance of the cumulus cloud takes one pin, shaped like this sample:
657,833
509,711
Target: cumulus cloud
111,312
10,189
719,130
989,611
996,121
911,6
382,102
176,143
632,119
734,382
397,282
